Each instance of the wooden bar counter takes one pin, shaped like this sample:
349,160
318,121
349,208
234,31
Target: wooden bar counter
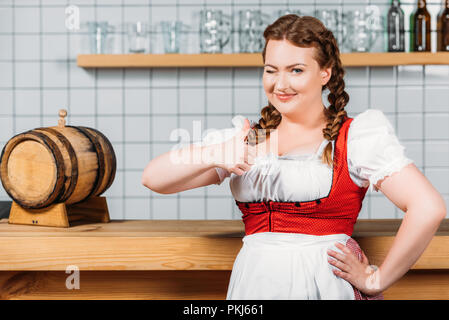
173,259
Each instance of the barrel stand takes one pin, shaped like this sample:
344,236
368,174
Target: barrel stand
94,209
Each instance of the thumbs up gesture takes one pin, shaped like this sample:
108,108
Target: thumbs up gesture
235,155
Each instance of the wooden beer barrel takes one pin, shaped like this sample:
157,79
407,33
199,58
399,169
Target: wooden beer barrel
49,165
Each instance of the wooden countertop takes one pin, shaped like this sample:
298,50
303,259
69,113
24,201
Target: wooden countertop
171,245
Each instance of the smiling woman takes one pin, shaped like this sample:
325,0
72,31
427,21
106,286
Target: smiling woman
299,209
299,203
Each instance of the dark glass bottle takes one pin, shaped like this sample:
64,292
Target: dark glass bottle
420,28
395,27
443,28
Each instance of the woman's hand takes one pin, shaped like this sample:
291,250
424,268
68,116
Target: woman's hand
358,273
235,155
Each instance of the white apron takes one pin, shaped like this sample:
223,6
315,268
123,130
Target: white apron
277,265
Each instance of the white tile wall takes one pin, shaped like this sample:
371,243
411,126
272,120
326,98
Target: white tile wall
137,78
82,101
27,47
54,47
383,98
6,18
192,100
27,102
52,101
164,101
410,99
6,98
26,75
6,47
138,109
110,101
165,208
54,74
81,78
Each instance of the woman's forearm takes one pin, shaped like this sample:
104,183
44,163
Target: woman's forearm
167,172
414,235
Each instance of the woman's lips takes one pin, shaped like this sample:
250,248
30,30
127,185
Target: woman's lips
285,97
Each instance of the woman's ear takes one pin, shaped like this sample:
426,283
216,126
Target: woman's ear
325,75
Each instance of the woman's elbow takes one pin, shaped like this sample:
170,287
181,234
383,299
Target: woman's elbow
443,210
146,181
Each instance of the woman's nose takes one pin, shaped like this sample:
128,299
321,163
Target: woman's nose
281,82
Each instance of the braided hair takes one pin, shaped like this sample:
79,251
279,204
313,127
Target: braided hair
306,32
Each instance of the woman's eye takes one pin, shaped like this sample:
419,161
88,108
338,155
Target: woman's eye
297,70
269,71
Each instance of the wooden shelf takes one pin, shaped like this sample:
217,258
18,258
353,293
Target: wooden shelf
250,60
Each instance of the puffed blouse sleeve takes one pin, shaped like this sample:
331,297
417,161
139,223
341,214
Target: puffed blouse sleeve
219,136
373,149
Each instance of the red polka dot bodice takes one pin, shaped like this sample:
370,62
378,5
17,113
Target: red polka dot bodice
335,213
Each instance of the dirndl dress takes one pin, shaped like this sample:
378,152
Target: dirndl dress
284,252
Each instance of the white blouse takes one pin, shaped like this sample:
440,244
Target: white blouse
373,152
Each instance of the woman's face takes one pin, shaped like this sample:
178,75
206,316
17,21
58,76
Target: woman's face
292,78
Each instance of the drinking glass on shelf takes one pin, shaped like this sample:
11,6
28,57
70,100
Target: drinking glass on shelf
330,18
171,33
215,30
98,32
251,26
361,28
137,37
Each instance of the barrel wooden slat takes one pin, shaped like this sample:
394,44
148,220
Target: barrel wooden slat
87,163
56,164
70,158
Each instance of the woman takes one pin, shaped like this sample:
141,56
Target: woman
300,174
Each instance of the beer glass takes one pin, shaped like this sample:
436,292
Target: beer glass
137,37
361,28
215,30
171,32
98,32
251,26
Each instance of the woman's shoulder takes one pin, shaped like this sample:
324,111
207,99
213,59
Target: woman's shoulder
370,123
370,118
373,149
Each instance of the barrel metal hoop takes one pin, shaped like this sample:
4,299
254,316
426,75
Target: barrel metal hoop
100,160
73,159
113,159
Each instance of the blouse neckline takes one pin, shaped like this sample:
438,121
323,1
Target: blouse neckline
315,153
291,154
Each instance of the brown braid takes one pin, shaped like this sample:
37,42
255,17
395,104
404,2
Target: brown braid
308,32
